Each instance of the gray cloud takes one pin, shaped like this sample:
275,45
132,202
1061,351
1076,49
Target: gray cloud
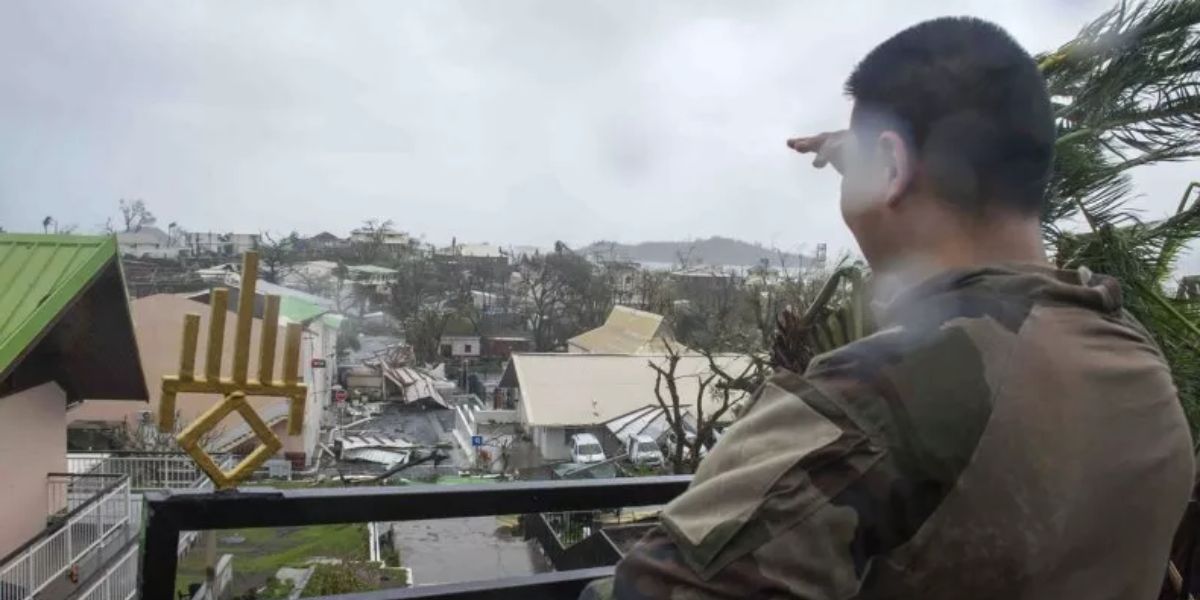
520,122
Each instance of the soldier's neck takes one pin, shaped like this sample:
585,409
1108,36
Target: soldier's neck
979,243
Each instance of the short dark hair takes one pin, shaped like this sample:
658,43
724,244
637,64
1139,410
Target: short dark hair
973,105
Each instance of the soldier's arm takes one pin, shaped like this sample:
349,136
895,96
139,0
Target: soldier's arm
774,510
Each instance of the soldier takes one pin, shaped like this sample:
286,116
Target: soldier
1010,432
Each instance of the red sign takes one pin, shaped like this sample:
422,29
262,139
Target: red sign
318,363
340,395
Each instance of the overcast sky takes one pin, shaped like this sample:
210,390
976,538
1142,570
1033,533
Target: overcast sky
500,121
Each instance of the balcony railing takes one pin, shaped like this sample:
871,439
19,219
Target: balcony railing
171,513
87,512
117,582
147,470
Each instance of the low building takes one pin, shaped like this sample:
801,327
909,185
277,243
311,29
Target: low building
324,241
460,346
208,243
626,331
502,346
389,238
148,242
559,395
380,279
66,338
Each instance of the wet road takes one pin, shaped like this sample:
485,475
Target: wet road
470,549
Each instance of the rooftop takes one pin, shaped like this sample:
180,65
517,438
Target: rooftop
65,306
561,390
626,331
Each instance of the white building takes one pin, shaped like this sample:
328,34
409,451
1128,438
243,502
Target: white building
559,395
221,244
148,242
387,237
380,278
460,346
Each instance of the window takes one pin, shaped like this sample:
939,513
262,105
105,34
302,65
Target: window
447,351
466,348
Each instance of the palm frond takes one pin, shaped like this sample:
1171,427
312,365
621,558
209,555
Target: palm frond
1127,93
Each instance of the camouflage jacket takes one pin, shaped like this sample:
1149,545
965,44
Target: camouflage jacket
1010,433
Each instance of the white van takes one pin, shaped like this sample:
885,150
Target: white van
585,448
642,450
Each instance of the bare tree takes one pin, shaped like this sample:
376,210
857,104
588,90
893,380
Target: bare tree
694,431
544,294
277,255
135,215
371,240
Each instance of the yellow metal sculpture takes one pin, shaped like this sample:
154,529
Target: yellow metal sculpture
235,388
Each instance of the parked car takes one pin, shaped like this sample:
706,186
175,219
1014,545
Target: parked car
642,450
585,449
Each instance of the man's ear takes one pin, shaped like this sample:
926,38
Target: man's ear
899,164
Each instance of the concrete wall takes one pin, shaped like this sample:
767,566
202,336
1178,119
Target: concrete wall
320,341
33,443
551,442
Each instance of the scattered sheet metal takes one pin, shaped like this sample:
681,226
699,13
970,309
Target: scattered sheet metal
416,384
380,456
650,421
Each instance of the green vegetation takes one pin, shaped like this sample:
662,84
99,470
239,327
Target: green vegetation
265,550
350,577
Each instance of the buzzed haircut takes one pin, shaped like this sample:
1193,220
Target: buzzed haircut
972,104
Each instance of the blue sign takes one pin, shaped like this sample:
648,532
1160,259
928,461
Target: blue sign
477,440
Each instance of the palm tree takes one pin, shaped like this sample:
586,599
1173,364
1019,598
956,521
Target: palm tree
1127,94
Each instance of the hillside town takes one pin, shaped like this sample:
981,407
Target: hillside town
421,364
203,399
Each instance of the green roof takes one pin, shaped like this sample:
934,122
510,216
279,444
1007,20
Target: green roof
40,276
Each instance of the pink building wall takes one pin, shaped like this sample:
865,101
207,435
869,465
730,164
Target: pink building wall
158,325
33,442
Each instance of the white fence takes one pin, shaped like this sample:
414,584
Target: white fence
148,470
86,529
119,581
224,578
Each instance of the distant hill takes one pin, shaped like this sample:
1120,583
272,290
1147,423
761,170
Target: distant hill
712,251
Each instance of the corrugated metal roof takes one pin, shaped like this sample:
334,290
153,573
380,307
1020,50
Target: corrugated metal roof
41,276
568,390
626,331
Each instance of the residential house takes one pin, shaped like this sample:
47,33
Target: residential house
220,244
66,337
148,242
158,320
318,354
318,360
558,395
626,331
387,237
324,241
463,345
503,345
377,279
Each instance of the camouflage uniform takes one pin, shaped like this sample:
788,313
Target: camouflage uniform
1010,433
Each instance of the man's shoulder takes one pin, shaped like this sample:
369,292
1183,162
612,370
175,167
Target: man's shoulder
898,411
